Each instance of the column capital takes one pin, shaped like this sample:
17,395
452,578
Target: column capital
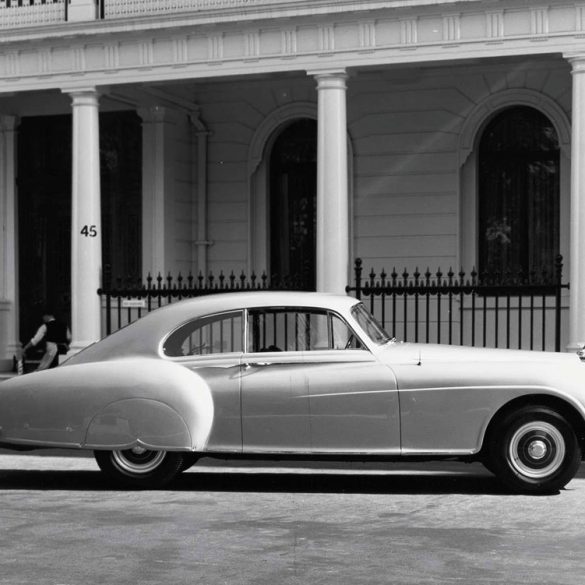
83,95
157,115
577,61
326,76
8,123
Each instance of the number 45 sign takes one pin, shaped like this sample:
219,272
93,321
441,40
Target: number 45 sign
89,231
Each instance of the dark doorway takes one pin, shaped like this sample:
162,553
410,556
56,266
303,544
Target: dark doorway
44,209
293,195
121,183
44,214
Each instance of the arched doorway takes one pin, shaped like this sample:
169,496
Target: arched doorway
518,192
292,204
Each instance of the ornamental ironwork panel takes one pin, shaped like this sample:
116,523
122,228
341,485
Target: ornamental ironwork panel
488,309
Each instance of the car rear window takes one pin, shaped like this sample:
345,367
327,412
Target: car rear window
215,334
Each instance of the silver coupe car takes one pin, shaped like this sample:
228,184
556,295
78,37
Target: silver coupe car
303,375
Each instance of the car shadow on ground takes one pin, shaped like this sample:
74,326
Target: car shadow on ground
285,482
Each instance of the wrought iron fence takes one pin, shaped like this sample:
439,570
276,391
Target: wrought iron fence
126,300
489,309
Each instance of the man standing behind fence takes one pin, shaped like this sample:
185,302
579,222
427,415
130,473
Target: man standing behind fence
57,337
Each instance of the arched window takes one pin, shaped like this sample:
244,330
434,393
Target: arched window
293,190
518,180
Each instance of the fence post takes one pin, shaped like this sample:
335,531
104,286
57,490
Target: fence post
358,278
108,313
558,287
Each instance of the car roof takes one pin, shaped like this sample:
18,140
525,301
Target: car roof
143,336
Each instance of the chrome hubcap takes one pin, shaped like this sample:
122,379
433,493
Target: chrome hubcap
537,450
137,460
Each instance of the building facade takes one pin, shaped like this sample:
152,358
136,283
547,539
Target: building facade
139,136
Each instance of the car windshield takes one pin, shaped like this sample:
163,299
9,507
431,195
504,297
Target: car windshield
369,324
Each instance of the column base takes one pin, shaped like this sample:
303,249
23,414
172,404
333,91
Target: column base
575,346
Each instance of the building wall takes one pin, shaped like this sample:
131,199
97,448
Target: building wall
404,127
406,132
233,113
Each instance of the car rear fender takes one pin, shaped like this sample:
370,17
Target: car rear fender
138,422
154,404
108,404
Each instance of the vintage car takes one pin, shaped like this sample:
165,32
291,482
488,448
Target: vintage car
306,375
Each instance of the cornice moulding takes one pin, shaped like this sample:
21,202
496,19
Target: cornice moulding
290,45
214,17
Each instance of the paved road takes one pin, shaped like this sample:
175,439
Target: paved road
64,524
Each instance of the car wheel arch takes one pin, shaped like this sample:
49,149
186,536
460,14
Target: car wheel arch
556,403
121,424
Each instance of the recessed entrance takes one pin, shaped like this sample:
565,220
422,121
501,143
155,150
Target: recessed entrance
44,209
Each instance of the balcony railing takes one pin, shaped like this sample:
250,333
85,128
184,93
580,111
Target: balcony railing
134,8
26,13
23,13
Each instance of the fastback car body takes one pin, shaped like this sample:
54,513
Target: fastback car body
298,374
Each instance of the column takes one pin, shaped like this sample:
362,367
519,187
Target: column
86,229
332,183
158,187
199,217
9,334
577,213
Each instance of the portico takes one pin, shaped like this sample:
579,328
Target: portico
400,96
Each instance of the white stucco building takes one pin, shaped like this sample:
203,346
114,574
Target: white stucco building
196,135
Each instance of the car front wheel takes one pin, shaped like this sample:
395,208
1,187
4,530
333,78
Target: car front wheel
534,450
139,467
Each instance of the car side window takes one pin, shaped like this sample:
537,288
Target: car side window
209,335
290,329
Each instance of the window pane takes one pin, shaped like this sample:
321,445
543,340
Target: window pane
298,330
369,324
518,193
210,335
343,336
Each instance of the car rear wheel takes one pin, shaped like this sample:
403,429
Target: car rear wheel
534,450
139,467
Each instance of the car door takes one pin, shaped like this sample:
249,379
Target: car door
275,399
353,398
310,385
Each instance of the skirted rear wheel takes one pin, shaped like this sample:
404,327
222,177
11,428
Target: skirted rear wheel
139,467
534,450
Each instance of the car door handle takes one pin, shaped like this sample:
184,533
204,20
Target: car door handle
257,364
